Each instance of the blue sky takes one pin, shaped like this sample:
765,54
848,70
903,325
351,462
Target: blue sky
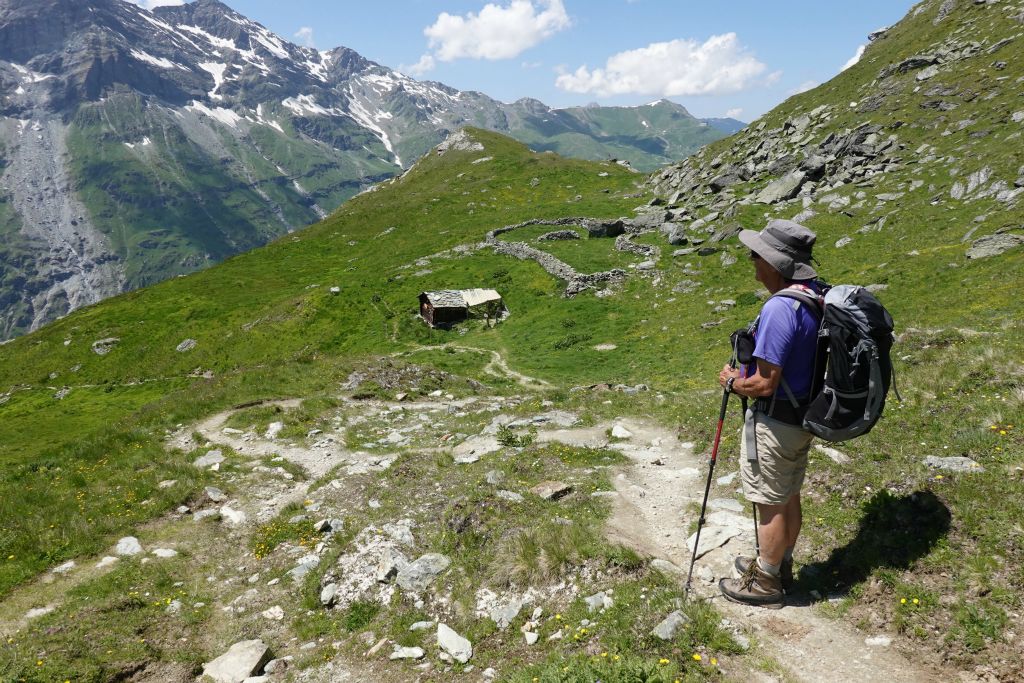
739,58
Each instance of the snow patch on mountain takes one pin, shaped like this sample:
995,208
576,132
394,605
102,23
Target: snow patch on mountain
360,114
306,104
217,71
226,116
216,41
271,42
156,61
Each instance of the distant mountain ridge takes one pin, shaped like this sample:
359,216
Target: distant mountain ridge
138,145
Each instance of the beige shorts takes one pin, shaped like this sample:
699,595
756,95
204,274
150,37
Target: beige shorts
781,462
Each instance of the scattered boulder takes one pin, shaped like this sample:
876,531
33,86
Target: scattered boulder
214,457
186,345
329,594
459,648
782,189
127,546
241,661
506,614
510,496
551,490
215,494
670,626
677,236
422,572
952,464
275,613
102,347
599,601
305,565
232,516
391,562
407,653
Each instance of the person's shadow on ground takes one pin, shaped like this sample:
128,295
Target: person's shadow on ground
894,532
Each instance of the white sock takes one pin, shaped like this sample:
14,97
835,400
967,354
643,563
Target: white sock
788,557
772,569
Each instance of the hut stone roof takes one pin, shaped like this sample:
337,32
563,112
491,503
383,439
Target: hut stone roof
456,298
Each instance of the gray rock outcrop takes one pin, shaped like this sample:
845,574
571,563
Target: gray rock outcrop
418,575
994,245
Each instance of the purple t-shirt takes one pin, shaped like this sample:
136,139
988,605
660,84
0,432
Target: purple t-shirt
787,336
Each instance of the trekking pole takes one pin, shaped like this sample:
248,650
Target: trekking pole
707,486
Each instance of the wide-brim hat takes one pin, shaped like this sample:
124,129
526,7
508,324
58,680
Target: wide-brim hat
786,246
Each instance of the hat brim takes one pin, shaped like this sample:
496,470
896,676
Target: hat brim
787,265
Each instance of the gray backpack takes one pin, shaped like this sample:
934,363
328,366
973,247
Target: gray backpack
856,337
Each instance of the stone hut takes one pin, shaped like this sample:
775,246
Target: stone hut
445,307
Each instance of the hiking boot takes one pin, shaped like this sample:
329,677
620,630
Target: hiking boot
741,563
756,587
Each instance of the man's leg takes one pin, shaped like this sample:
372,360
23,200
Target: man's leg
773,530
794,519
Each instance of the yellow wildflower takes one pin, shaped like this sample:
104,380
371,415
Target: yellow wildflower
663,661
696,657
903,601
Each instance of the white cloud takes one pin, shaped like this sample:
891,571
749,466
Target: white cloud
734,113
150,4
421,67
497,32
804,87
717,66
854,59
305,36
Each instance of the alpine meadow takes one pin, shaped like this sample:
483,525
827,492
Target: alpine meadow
273,469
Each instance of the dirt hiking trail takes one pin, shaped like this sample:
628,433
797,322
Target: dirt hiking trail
652,514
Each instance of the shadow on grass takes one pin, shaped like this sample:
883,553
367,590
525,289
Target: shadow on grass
894,532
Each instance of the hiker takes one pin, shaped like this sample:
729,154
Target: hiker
774,447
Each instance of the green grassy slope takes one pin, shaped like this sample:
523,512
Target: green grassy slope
266,324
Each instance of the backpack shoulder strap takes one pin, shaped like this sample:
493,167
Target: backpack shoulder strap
804,295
